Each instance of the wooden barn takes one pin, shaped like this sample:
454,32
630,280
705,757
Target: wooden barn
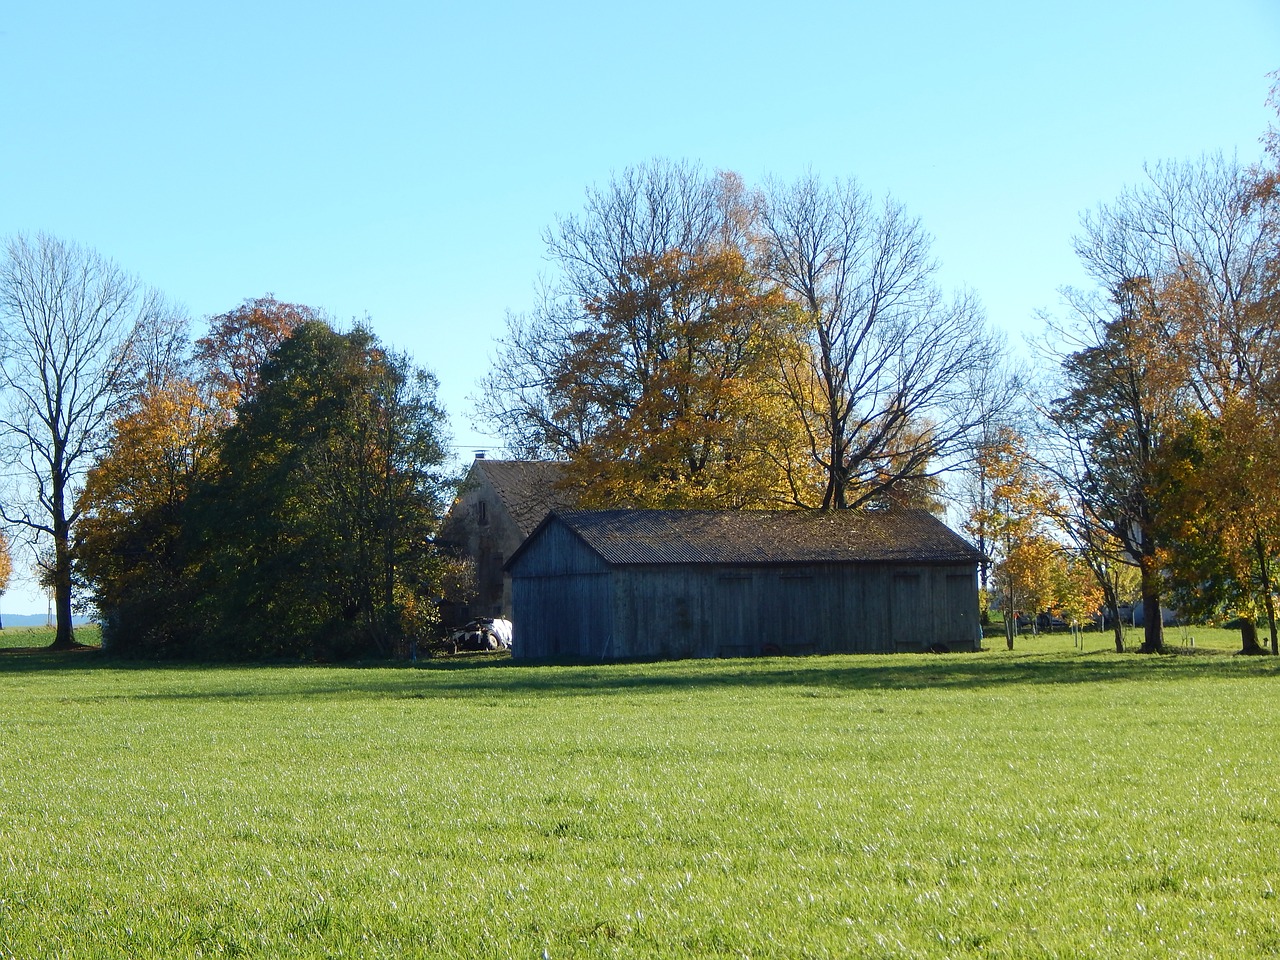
623,584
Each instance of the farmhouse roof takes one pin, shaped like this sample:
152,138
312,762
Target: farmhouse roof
528,489
766,536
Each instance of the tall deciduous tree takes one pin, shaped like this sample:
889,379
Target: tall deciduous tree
896,380
650,365
1220,516
329,484
1185,329
68,325
6,564
1120,402
1078,595
685,356
131,550
239,342
1084,520
1010,521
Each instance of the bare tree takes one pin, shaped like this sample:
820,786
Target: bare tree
1193,240
69,319
896,381
161,349
541,400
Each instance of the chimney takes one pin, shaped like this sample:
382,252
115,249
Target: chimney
480,454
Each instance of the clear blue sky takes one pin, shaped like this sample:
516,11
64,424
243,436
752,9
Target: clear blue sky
401,160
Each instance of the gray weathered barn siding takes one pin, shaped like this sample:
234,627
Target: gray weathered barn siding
570,601
568,605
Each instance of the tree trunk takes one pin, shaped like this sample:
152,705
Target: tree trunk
1153,619
1117,625
1249,645
1010,620
1268,600
1271,620
64,637
1112,602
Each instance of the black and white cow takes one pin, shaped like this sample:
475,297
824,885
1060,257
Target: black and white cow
484,634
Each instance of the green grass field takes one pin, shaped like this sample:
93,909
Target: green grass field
1040,803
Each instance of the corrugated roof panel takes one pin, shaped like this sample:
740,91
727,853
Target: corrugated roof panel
767,536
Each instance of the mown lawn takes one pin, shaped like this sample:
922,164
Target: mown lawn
1044,803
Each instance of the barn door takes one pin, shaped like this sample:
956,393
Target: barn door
962,628
907,612
734,629
798,597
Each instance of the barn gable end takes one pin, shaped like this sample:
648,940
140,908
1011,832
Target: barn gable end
499,504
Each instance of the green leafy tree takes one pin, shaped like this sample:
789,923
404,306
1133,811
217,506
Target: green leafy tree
318,521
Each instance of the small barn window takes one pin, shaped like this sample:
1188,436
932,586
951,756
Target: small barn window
482,513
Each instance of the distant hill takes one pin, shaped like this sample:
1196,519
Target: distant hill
33,619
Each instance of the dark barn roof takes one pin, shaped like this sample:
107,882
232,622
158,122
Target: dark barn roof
623,537
528,489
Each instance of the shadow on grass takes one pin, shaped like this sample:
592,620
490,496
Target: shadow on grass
501,677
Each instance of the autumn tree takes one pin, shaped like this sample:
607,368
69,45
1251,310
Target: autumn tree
895,380
6,565
1121,389
997,441
1083,520
1027,574
132,551
1112,416
650,366
1011,522
238,342
1078,594
692,420
1180,326
1221,518
69,322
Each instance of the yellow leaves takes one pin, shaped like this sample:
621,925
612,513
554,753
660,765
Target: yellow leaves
1077,593
679,366
6,563
1016,499
154,451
